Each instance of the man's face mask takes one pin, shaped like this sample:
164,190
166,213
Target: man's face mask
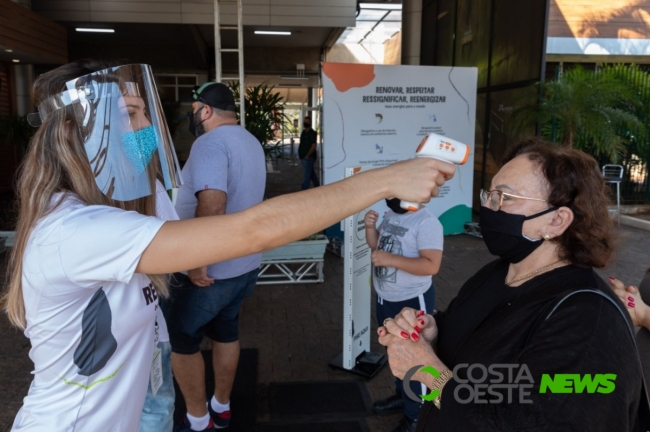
307,125
196,127
139,147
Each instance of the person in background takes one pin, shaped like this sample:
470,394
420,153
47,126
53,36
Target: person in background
307,153
224,174
407,251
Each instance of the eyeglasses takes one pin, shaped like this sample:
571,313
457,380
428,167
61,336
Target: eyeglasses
494,198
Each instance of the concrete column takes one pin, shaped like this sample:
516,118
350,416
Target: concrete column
23,80
411,31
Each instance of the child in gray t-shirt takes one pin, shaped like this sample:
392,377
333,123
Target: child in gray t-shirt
407,251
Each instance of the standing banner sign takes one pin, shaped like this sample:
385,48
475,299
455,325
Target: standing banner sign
357,286
373,116
376,115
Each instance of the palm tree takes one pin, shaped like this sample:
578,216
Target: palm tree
593,111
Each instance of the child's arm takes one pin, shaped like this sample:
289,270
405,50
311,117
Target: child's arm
428,263
370,221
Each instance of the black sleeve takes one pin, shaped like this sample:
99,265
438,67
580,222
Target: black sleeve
585,335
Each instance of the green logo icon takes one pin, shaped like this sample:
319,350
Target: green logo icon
407,383
433,372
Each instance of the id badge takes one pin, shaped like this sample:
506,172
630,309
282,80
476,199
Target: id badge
156,372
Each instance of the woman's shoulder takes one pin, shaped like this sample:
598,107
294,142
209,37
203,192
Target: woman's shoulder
589,311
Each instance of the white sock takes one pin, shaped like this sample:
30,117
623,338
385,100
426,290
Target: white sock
219,407
199,423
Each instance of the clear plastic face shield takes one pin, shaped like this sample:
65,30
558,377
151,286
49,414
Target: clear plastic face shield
123,128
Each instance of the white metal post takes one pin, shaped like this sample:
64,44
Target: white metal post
240,43
240,50
217,42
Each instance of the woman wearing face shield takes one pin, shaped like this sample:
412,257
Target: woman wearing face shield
90,256
516,347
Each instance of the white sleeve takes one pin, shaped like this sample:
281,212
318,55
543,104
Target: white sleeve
102,243
164,208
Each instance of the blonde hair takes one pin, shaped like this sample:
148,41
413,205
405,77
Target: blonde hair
56,162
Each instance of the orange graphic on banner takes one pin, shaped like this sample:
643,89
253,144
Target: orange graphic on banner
346,76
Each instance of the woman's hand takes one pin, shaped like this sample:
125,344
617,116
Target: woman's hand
639,311
431,174
404,354
411,324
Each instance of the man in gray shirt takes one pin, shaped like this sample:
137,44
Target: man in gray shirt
225,173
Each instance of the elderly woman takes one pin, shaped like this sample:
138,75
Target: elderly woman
506,341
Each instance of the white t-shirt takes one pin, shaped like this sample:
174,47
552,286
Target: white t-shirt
90,319
164,210
406,235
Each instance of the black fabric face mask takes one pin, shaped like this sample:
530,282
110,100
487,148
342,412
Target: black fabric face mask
195,129
503,235
306,125
393,204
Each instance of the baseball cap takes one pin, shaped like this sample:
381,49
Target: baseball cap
216,95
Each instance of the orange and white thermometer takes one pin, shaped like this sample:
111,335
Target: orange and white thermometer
442,148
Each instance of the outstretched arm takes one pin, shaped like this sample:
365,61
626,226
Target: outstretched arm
196,242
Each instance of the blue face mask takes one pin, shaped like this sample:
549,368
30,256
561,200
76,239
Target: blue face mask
139,146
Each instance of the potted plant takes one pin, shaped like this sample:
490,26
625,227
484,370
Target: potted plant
265,118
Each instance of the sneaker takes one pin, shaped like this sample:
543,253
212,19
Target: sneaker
184,426
391,405
221,420
406,425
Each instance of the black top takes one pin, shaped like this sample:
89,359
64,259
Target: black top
307,138
489,323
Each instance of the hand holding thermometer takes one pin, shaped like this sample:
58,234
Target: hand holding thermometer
442,148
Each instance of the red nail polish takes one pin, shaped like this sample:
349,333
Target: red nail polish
415,336
420,313
418,329
631,305
631,299
404,335
421,322
612,278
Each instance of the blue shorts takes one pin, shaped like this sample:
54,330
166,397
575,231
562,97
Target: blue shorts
213,311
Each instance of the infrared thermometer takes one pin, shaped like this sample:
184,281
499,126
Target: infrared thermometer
442,148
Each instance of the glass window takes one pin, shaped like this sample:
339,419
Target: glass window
165,80
187,80
176,88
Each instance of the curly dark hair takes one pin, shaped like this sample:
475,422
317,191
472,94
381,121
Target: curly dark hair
575,181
